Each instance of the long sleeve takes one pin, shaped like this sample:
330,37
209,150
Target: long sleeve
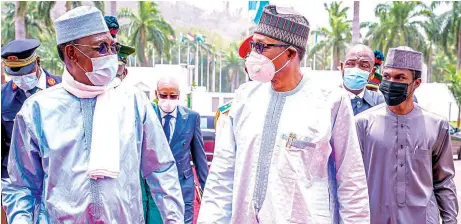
158,168
198,154
350,173
216,204
24,190
443,172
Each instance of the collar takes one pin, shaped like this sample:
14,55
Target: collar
41,84
352,96
173,113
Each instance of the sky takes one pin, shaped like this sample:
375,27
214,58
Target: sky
313,10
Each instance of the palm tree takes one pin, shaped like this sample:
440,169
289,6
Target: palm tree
113,8
397,26
99,5
451,31
20,18
8,29
337,35
44,10
234,65
72,4
147,25
356,24
433,33
455,88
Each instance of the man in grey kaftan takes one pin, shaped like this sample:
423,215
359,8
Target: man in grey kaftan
406,151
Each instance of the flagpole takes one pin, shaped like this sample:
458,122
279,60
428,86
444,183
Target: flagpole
220,72
208,70
188,54
179,52
171,57
213,80
201,67
196,64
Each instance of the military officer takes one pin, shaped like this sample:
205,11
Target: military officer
22,64
123,54
244,51
375,79
123,50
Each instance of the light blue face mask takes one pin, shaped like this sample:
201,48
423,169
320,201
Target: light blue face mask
25,82
355,78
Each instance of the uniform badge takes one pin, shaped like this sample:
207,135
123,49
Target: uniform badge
12,58
14,86
50,81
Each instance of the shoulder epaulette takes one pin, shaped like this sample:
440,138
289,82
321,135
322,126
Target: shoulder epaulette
50,81
226,107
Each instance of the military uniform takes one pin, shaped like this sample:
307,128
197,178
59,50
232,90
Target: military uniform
20,61
376,78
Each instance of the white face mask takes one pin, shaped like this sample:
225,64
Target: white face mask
104,69
260,68
167,105
26,82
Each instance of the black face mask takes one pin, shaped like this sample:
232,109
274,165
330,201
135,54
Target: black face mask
394,92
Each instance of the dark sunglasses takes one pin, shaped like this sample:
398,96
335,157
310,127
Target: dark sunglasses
260,46
103,48
166,96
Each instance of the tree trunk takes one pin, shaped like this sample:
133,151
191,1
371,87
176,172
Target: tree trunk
68,6
458,63
232,80
356,24
429,66
113,8
144,45
19,23
459,117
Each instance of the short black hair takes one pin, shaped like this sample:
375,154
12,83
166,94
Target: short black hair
61,47
416,74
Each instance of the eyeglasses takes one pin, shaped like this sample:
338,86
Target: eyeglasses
260,46
166,96
103,48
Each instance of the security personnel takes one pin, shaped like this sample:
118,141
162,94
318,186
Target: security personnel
22,64
123,54
375,79
244,51
123,50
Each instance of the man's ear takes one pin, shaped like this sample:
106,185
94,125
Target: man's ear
417,82
69,51
156,94
38,61
292,53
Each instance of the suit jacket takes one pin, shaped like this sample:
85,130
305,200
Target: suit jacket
12,100
369,100
185,143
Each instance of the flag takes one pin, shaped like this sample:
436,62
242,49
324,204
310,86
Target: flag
190,36
181,37
199,37
262,4
252,5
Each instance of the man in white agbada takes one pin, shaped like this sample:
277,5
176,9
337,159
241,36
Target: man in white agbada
288,152
77,148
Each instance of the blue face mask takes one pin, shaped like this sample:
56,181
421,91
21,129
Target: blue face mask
355,78
26,82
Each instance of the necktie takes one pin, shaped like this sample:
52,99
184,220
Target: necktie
166,126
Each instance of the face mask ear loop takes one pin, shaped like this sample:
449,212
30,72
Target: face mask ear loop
85,56
280,54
